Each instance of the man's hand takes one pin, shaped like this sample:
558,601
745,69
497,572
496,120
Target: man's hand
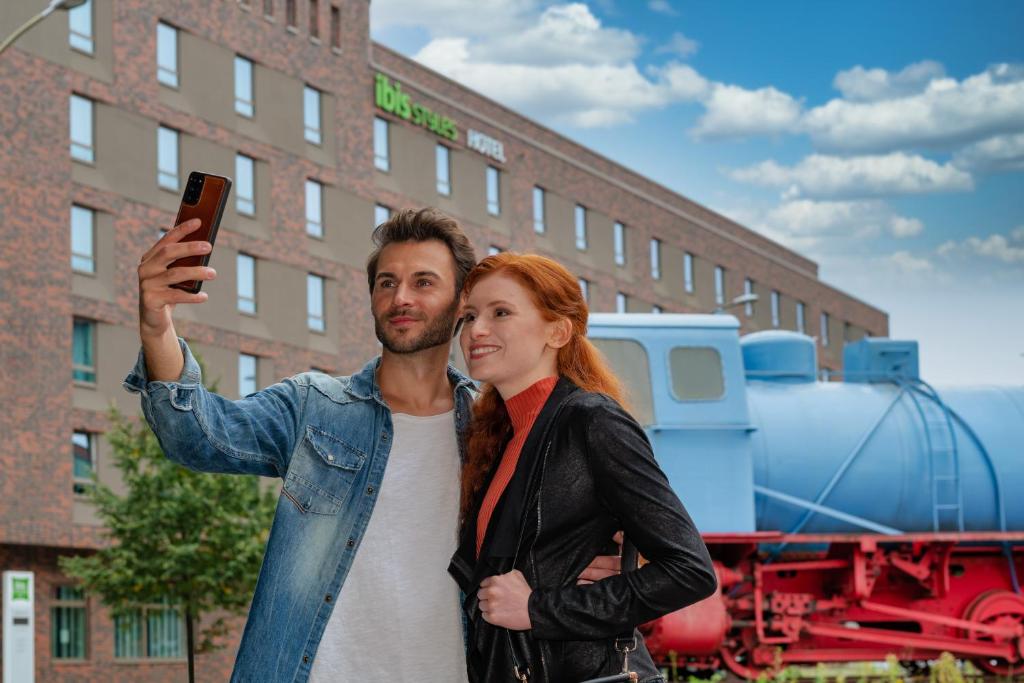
156,296
505,601
603,566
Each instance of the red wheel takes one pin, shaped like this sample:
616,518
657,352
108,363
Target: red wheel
998,608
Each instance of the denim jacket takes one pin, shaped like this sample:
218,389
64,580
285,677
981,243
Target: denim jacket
328,438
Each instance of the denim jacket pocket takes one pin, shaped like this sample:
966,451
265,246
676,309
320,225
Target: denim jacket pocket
322,472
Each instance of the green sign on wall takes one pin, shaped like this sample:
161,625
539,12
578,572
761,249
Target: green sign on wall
19,589
390,98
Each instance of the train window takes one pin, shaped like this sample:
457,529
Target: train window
629,361
696,373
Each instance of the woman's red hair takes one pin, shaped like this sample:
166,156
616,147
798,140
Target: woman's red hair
556,294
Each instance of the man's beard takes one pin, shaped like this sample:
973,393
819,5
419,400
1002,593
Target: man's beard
438,331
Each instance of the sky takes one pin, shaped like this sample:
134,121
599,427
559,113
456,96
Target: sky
884,140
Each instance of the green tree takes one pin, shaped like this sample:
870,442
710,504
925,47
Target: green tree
176,537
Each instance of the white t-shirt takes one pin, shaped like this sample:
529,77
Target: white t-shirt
397,616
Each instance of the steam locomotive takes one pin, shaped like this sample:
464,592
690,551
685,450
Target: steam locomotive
848,520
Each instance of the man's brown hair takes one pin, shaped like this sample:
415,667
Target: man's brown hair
420,225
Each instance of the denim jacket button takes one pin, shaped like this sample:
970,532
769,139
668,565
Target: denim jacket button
330,458
327,598
305,659
369,489
350,543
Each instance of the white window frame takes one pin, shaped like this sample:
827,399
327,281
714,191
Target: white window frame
619,242
381,144
312,106
245,192
584,289
801,323
443,169
314,208
245,97
580,222
748,288
83,261
246,286
719,285
381,214
539,210
688,272
166,52
621,302
246,381
315,319
492,180
167,176
80,28
655,258
82,133
775,308
80,485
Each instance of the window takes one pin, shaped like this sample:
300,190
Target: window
775,308
748,288
68,623
82,345
580,215
335,28
167,54
268,8
696,373
314,208
539,226
824,329
585,290
620,302
381,214
442,162
656,309
246,374
244,103
291,12
381,155
688,272
81,129
314,19
315,302
167,158
628,359
492,250
80,27
801,327
245,185
83,239
245,266
719,285
83,448
311,114
493,191
619,238
656,259
155,632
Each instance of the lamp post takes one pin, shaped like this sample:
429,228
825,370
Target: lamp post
738,301
47,11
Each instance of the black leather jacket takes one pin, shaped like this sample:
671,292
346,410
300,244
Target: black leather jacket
585,471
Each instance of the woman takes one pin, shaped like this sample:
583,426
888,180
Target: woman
554,467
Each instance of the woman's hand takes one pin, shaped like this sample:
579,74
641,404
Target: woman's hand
505,601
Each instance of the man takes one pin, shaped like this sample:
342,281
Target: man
370,463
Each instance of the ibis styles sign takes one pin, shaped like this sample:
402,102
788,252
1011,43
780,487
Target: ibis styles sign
390,98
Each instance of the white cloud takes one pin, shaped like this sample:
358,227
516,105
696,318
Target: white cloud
819,229
732,111
679,45
563,34
1018,234
662,7
910,263
901,226
945,114
995,247
869,85
823,176
1000,153
579,94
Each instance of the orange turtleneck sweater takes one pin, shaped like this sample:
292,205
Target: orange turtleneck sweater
523,409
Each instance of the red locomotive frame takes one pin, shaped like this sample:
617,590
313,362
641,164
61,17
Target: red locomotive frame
852,597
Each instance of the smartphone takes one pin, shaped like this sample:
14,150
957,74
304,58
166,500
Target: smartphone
205,197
